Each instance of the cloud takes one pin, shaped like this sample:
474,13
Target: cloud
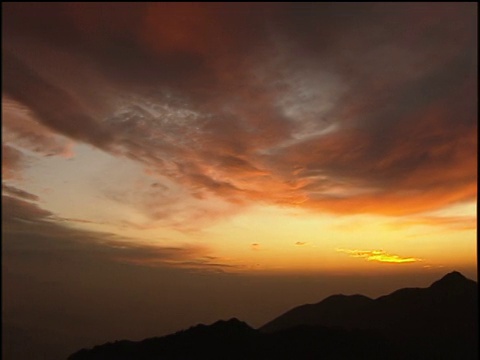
301,243
379,255
18,193
56,108
273,103
22,210
28,226
451,222
20,127
12,162
433,266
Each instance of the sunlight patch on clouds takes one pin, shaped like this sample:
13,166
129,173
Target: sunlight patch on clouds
378,255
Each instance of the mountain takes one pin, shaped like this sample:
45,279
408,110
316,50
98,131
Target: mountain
449,303
439,322
232,336
234,340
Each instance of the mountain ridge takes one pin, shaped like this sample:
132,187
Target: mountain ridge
437,322
368,314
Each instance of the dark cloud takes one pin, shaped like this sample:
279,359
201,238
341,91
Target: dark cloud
12,161
29,221
22,210
54,106
19,193
360,108
21,128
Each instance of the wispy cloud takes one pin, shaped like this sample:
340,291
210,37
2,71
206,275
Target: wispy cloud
450,222
24,211
227,105
47,232
19,193
21,127
379,255
13,160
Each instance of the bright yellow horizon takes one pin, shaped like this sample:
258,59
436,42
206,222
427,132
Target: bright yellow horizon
247,238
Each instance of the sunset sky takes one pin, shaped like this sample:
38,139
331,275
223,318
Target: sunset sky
172,163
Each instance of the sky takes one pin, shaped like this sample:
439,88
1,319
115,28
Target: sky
165,164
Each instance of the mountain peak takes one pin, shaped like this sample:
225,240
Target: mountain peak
231,323
454,275
341,298
451,279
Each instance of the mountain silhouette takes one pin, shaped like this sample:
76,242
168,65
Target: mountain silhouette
450,302
438,322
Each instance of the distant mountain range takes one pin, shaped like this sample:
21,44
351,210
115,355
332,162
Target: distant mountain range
448,302
438,322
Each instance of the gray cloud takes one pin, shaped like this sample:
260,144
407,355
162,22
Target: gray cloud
344,109
27,224
22,210
12,162
21,128
19,193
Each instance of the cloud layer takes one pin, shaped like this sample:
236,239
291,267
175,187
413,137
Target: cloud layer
365,109
29,228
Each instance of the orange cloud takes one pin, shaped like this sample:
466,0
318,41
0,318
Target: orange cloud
451,222
211,99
